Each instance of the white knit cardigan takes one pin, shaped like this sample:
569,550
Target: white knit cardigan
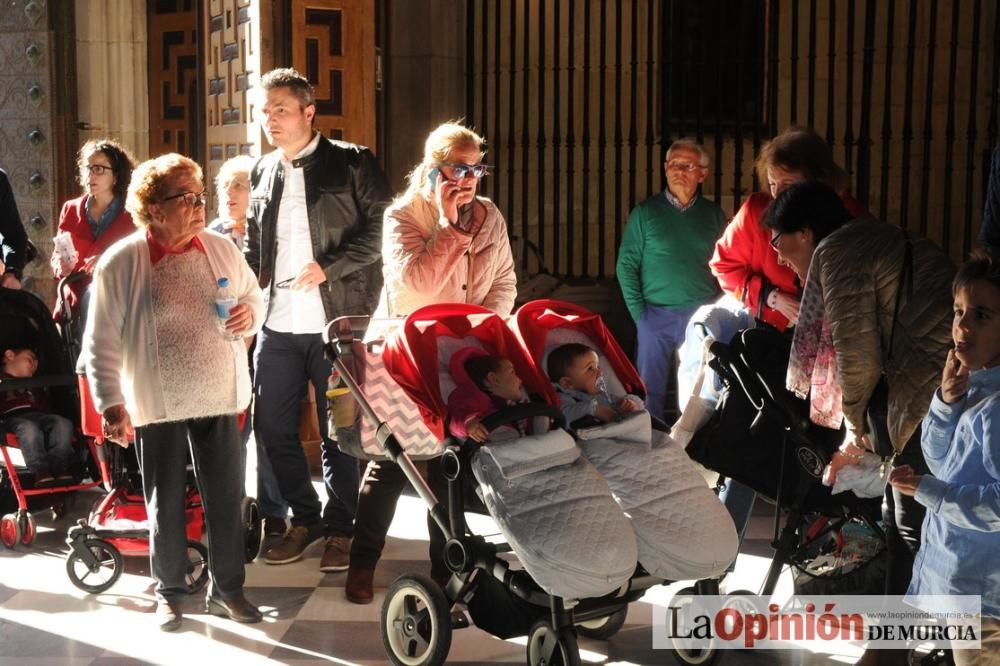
119,343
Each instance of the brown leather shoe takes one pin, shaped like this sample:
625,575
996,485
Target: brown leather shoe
237,609
358,588
168,615
336,554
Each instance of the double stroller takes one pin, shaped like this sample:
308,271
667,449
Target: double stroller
760,435
583,555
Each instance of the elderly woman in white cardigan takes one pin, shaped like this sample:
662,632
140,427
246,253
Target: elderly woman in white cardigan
158,361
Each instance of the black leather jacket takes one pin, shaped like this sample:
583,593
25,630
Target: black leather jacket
346,194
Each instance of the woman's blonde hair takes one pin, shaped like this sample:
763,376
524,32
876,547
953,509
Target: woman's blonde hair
231,169
801,150
439,145
150,180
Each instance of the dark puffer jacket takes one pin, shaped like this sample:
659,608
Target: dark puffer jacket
858,268
346,195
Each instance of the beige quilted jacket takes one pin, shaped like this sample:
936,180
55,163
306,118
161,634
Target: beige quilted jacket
858,268
424,262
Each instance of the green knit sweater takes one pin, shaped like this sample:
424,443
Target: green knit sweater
663,259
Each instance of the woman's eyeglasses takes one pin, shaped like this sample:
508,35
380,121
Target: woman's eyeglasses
459,171
774,239
190,198
98,169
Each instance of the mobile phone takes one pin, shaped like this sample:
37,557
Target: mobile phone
432,178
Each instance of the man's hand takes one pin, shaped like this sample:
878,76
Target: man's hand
954,379
10,281
240,319
476,430
787,305
309,277
904,480
116,424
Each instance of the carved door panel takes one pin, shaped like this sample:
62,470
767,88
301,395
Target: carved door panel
333,44
232,53
175,116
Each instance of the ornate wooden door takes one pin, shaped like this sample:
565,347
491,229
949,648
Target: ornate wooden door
175,102
333,44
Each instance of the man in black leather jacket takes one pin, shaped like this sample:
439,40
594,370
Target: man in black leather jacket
314,239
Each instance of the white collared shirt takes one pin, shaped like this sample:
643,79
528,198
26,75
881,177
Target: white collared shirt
294,311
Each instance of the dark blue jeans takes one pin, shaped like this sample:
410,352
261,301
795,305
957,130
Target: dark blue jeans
661,333
46,442
215,449
283,363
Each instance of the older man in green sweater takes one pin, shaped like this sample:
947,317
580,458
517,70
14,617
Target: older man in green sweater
663,264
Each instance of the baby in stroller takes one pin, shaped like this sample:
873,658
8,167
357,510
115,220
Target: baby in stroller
498,387
681,529
576,375
45,438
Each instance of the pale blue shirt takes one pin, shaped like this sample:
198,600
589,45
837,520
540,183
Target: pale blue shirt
960,540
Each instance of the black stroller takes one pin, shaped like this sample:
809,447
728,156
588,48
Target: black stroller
761,436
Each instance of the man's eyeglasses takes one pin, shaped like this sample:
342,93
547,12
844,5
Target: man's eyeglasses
98,169
190,198
459,171
774,239
686,167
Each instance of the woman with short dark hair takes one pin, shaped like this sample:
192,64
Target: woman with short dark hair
95,220
876,306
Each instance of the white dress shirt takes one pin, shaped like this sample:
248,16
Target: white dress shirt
292,311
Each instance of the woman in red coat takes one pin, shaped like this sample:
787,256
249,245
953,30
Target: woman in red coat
744,262
96,220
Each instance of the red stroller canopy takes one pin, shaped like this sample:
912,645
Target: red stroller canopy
534,320
412,355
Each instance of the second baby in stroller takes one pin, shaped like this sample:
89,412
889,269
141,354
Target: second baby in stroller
681,529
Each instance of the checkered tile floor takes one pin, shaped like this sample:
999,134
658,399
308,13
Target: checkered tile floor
44,619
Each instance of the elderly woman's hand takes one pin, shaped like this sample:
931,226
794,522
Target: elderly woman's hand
116,424
786,304
240,319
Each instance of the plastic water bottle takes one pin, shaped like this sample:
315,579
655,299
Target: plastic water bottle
602,388
224,302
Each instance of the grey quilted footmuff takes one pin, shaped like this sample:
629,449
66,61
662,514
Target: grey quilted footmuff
684,532
558,514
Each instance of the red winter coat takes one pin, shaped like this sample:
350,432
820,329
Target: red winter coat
73,220
744,261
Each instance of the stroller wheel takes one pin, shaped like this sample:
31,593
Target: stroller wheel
102,574
416,622
197,566
252,530
603,628
683,601
10,530
27,524
547,647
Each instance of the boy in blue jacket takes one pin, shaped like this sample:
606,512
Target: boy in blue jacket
961,531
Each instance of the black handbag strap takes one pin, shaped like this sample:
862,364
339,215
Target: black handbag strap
905,279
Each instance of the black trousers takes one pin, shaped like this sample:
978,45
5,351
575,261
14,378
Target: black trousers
284,362
383,484
216,451
904,517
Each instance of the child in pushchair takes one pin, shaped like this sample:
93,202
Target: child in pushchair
578,550
760,435
29,340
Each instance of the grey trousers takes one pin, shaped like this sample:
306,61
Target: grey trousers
215,448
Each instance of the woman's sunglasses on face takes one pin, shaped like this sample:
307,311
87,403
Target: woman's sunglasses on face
459,171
